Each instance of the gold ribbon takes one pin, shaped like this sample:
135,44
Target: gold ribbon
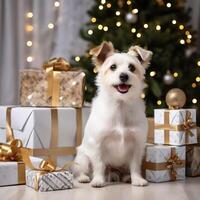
54,132
186,126
171,164
11,151
53,68
45,166
9,131
21,173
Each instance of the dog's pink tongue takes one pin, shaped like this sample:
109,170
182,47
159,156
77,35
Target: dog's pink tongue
123,87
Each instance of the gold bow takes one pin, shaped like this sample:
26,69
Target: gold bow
172,163
54,67
46,166
186,126
188,123
58,64
11,151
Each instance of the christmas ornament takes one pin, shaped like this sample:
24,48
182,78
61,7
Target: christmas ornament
168,78
175,98
131,18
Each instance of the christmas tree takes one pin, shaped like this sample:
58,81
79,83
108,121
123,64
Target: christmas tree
161,26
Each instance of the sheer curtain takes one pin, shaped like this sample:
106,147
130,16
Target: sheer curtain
48,31
51,31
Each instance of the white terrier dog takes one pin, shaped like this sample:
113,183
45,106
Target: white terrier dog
116,130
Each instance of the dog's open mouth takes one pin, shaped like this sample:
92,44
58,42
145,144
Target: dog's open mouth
122,88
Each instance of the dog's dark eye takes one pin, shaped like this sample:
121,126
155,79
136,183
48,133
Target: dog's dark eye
131,68
113,67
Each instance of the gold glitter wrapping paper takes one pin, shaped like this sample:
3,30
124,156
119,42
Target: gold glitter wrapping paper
34,88
193,160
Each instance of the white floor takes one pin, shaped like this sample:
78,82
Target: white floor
181,190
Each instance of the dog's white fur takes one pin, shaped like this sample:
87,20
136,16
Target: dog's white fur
116,130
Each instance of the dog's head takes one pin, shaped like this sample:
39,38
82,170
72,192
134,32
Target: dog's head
121,74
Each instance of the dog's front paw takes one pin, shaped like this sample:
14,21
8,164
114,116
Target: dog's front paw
98,182
139,181
83,178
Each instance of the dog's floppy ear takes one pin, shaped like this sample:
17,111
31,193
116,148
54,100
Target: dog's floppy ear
101,52
143,55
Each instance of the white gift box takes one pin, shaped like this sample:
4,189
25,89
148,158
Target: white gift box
159,155
177,117
33,126
49,181
13,173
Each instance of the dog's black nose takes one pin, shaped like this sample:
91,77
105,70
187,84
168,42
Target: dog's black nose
123,77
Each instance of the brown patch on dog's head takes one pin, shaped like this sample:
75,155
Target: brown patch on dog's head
143,55
101,52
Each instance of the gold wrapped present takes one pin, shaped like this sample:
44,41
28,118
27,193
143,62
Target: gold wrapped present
193,160
57,85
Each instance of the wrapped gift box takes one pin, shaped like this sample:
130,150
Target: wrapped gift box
175,127
12,173
164,163
193,160
49,181
34,127
67,90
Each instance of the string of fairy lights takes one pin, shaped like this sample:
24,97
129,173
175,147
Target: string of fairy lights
29,28
187,39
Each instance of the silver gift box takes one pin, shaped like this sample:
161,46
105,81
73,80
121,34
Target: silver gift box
158,154
176,117
50,181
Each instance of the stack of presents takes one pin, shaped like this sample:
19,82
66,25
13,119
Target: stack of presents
173,149
38,138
